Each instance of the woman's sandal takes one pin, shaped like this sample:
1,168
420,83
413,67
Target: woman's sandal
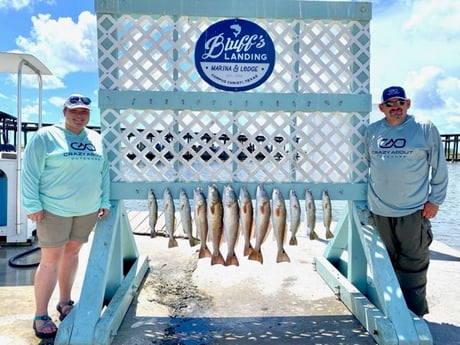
47,324
64,308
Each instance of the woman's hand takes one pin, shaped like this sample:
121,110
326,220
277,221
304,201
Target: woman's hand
37,216
102,213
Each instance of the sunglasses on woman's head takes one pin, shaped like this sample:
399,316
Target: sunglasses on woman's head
78,99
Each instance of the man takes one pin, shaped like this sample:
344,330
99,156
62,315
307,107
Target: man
407,182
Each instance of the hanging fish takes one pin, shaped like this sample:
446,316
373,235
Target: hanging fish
310,208
294,216
231,224
186,218
170,220
201,221
327,214
246,218
279,224
153,212
262,215
215,225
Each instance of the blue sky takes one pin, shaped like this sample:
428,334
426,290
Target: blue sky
414,43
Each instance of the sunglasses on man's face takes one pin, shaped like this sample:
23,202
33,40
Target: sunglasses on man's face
77,99
390,104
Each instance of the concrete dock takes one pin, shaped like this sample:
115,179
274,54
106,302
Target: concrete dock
186,300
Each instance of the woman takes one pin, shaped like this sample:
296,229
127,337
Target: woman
65,189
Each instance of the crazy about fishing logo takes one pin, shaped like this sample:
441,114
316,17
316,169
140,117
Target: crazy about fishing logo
386,143
81,150
235,55
393,147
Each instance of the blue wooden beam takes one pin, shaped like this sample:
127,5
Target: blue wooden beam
331,10
379,306
337,191
105,283
180,100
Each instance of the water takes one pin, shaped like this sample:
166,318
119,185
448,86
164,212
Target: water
445,226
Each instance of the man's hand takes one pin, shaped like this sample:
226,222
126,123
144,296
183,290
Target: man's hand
429,210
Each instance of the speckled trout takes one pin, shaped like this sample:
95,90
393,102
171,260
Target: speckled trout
170,220
153,212
246,218
310,209
327,214
186,218
294,216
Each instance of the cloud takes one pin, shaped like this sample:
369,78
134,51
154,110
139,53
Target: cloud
442,17
424,87
14,4
22,4
65,46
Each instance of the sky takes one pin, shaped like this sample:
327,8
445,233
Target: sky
414,43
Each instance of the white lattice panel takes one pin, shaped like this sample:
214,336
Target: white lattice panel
156,53
225,146
147,53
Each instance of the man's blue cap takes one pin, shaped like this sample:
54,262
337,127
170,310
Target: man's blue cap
393,92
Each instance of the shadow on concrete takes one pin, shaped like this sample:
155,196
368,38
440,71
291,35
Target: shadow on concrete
23,271
325,330
442,256
444,333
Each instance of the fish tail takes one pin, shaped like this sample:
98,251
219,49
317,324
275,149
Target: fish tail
313,235
232,260
256,255
329,234
172,243
217,259
293,241
247,249
194,241
204,252
282,257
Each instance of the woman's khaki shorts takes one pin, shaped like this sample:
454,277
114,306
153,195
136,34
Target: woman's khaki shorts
55,231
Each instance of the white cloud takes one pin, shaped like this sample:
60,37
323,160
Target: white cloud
65,46
14,4
21,4
423,85
57,101
442,17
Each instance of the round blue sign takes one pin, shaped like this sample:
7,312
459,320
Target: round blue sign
235,55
